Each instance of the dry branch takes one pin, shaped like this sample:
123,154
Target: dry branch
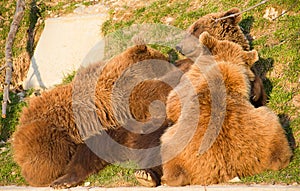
19,13
2,68
290,8
236,14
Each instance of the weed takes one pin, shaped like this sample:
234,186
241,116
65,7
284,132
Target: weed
68,78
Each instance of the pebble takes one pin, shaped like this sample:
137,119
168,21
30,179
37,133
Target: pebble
235,179
87,183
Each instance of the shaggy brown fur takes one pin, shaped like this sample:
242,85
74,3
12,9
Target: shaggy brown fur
250,140
225,29
47,143
221,50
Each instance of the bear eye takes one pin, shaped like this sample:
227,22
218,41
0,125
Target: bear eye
195,29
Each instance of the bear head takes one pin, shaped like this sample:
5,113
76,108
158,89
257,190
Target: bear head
227,51
215,25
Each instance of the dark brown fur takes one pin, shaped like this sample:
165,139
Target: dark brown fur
225,29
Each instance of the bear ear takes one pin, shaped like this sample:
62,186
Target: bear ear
206,39
251,57
235,19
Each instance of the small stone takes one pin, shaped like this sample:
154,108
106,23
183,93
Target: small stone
87,183
169,20
235,179
3,149
270,14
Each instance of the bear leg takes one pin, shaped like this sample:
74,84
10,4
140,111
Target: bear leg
174,175
281,153
258,94
42,151
83,164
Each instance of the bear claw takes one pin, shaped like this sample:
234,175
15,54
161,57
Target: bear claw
146,178
64,182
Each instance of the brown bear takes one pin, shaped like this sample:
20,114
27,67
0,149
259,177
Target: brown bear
225,29
221,51
246,140
48,143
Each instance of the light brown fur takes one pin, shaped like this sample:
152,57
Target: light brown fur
251,139
47,144
221,50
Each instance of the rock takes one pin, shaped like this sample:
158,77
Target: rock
63,45
87,183
235,179
270,14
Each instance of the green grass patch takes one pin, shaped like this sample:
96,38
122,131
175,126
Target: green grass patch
113,175
157,11
8,124
9,170
278,46
68,78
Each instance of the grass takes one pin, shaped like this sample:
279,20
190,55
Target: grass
7,125
278,44
68,77
9,171
113,176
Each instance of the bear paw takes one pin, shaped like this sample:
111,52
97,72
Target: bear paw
146,178
66,181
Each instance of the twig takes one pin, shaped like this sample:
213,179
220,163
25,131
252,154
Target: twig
290,8
236,14
2,67
19,13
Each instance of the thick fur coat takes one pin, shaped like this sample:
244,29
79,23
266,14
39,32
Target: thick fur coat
224,29
47,143
251,140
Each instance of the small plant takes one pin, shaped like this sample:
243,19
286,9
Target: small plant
68,78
